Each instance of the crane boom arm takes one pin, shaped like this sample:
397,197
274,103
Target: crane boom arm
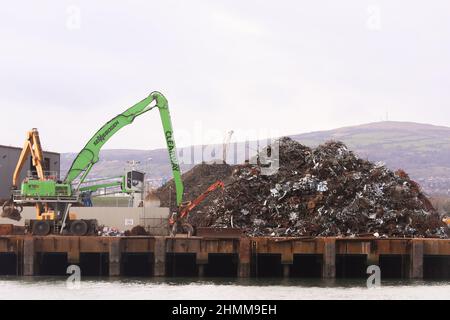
31,147
89,155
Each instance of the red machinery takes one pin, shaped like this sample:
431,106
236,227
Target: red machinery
179,219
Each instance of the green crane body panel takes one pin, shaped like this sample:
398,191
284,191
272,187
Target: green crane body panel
48,188
89,155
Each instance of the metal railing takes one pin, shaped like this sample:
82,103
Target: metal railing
19,198
49,175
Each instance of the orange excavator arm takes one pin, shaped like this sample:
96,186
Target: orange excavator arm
187,207
192,204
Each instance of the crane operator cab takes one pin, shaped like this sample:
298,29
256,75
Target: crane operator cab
134,181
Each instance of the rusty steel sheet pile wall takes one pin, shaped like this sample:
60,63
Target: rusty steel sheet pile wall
27,249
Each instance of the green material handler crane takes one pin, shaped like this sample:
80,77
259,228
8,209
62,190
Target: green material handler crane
54,198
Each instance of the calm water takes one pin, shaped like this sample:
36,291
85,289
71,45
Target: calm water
92,288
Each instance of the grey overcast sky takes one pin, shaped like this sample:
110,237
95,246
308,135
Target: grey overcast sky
287,67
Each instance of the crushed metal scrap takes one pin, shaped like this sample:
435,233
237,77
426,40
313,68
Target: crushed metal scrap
327,191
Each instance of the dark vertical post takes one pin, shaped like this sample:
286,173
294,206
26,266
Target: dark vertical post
73,256
160,257
416,259
29,257
329,259
244,257
115,254
201,260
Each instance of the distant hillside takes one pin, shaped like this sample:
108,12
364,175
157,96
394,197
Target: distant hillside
420,149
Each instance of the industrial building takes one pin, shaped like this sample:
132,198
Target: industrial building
8,161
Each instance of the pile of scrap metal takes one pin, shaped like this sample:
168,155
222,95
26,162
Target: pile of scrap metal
136,231
105,231
326,191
